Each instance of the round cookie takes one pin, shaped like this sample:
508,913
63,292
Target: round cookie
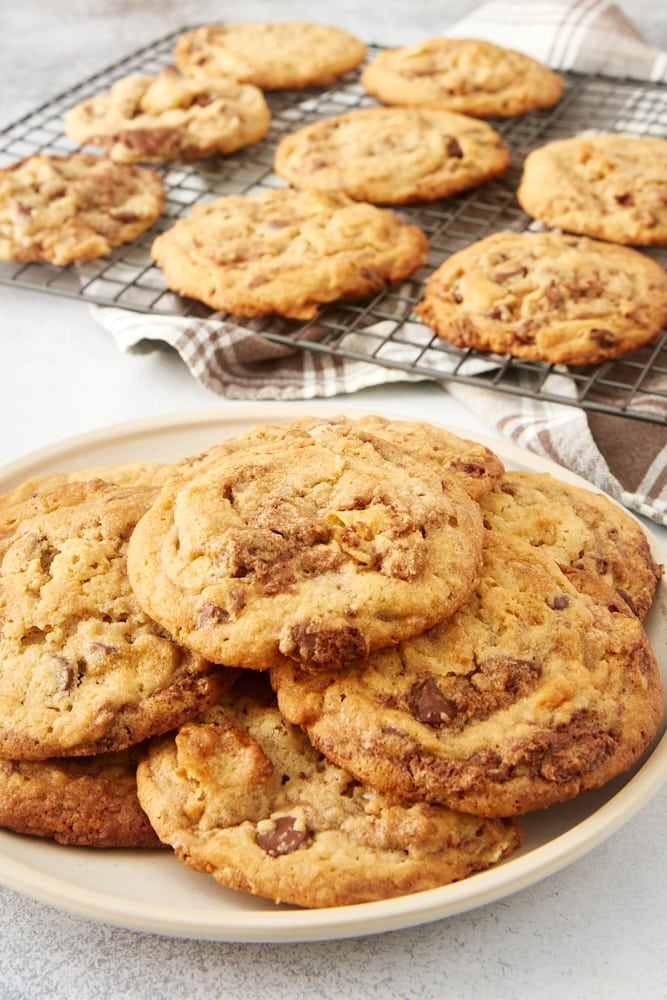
82,801
584,531
170,116
243,796
82,669
64,208
530,694
317,549
394,156
287,252
272,55
547,296
609,186
122,474
467,75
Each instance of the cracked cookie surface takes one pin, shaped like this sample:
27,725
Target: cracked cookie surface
64,208
242,795
612,187
170,116
393,155
548,297
462,74
286,252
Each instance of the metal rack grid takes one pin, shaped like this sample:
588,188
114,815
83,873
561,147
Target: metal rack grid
383,329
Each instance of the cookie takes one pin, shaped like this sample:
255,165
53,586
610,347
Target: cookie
64,208
609,186
271,55
121,473
243,796
82,668
287,252
462,74
530,694
394,156
170,116
584,531
81,801
550,297
312,548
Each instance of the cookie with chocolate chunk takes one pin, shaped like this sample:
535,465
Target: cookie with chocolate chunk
468,75
240,794
82,801
82,669
393,156
550,297
120,473
316,548
530,694
584,531
287,252
64,208
273,55
609,186
170,116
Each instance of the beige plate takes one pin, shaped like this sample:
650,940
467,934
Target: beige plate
152,892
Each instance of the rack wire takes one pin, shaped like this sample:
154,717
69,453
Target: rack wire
382,329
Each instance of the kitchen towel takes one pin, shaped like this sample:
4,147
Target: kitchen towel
626,458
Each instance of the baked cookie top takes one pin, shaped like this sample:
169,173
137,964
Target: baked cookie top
393,155
82,669
584,531
273,55
530,694
316,549
609,186
285,251
243,796
120,473
547,296
170,116
462,74
63,208
82,801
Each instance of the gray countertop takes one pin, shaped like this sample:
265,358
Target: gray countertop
594,929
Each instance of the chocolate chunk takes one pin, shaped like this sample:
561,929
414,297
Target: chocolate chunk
312,645
284,838
428,704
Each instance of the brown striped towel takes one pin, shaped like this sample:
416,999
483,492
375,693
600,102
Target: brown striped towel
626,458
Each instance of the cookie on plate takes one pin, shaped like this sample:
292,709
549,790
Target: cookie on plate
170,116
609,186
530,694
81,801
312,548
272,55
120,473
288,252
468,75
77,206
393,156
550,297
243,796
583,530
82,668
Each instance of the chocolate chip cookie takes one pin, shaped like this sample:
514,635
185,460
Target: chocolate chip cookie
120,473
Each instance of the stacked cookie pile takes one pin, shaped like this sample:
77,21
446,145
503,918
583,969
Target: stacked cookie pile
326,662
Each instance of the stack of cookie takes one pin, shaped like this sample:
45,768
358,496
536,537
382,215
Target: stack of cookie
343,656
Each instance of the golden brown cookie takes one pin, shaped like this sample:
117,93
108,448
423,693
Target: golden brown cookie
82,801
63,208
242,795
286,252
272,55
547,296
170,116
312,548
530,694
82,669
462,74
613,187
121,473
393,156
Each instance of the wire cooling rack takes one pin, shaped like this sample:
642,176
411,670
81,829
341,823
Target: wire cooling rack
383,329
